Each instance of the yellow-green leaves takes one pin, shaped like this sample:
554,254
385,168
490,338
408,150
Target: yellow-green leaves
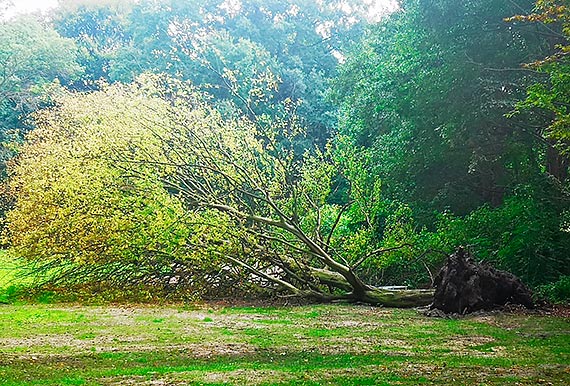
76,198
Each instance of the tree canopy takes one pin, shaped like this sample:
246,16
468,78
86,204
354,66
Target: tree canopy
34,59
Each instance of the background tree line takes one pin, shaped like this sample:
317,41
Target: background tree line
286,145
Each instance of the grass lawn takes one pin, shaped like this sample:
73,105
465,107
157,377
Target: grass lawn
308,345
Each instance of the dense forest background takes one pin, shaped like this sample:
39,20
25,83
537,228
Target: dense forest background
217,148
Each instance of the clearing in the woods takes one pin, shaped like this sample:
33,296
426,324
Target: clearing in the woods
303,345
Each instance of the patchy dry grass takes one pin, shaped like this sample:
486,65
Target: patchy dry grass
309,345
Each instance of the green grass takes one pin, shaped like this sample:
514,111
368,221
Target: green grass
8,269
13,276
311,345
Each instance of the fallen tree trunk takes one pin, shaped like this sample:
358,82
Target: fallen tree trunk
464,286
387,297
398,298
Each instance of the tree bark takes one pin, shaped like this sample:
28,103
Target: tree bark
378,296
556,163
398,298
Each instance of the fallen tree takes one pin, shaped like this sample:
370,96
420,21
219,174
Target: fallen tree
159,190
464,286
285,232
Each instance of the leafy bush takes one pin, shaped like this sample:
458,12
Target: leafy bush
556,292
9,294
525,236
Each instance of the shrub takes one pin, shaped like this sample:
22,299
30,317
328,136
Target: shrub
556,292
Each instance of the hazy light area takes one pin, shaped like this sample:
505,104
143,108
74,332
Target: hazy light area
377,10
380,8
27,6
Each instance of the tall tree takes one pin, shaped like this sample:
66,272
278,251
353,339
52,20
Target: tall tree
32,58
298,42
98,29
552,95
427,90
428,95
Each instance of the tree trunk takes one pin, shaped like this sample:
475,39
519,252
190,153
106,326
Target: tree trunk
556,164
378,296
398,298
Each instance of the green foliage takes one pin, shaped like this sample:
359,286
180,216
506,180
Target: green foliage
232,53
66,169
79,211
34,61
429,100
9,294
524,236
31,57
423,112
552,95
558,291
